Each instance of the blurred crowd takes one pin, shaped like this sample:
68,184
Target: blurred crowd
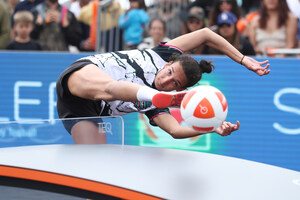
255,27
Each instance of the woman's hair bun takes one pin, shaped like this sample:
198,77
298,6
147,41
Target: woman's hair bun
206,66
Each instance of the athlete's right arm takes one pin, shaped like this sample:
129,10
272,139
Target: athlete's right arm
169,124
92,83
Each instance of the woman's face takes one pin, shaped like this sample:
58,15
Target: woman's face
170,78
134,4
271,4
226,30
225,5
157,30
194,24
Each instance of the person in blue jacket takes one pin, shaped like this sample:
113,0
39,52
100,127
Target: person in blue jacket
133,22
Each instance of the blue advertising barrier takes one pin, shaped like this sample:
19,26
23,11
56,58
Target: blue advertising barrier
267,107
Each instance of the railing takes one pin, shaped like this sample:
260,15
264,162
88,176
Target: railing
109,36
283,51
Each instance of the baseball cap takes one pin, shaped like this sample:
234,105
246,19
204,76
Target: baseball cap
226,18
196,12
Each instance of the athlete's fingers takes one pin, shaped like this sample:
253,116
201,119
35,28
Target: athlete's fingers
264,62
237,125
223,127
267,72
267,66
234,127
226,124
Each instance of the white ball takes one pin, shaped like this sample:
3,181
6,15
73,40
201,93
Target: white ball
204,108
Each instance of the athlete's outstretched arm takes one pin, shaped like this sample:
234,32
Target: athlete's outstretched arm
194,39
169,124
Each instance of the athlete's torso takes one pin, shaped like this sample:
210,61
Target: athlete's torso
134,66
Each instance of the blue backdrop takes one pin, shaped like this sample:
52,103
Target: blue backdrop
268,107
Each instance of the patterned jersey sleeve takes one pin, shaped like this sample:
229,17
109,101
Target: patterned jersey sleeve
151,114
167,52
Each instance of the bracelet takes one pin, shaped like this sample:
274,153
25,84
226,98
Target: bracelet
241,62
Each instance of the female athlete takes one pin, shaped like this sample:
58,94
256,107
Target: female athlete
122,82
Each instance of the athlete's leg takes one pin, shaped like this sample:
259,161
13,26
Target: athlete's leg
87,132
90,82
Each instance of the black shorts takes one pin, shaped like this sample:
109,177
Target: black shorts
70,106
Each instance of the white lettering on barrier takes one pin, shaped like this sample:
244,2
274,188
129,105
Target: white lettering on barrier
8,134
4,119
52,102
17,132
286,108
105,127
18,100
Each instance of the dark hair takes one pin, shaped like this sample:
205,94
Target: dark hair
215,11
236,38
194,70
142,4
160,20
282,9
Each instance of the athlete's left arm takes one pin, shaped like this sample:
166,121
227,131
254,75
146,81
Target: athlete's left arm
206,36
169,124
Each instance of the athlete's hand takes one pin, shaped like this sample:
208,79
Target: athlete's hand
256,66
227,128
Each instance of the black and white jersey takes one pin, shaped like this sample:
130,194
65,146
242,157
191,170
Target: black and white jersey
136,66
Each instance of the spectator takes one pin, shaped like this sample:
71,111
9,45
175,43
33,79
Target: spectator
108,22
204,4
169,11
228,30
195,21
24,5
5,25
23,25
55,27
222,6
157,30
275,27
133,22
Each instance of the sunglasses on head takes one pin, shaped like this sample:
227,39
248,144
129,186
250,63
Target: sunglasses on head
193,20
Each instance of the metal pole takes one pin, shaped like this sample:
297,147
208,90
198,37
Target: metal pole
111,30
117,33
101,5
